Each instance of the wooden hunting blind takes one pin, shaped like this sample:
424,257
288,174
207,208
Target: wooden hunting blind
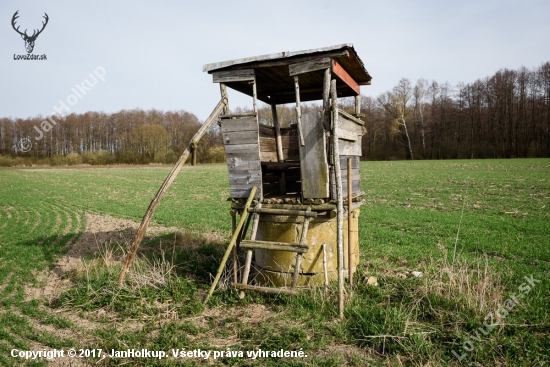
301,171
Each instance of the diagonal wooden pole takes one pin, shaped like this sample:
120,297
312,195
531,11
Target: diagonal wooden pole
231,243
167,182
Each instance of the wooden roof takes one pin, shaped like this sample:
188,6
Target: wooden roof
275,84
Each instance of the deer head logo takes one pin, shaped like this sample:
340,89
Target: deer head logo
29,40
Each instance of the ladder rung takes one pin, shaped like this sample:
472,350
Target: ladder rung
275,246
243,287
298,213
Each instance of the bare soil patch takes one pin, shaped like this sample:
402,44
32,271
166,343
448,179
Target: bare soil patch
100,230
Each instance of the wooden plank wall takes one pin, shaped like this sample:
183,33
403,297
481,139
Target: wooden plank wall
242,149
349,144
356,175
289,140
349,134
313,157
268,146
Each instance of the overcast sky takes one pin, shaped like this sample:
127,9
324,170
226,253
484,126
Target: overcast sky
153,51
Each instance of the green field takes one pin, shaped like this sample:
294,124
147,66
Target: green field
409,223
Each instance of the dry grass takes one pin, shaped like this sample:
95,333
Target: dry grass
150,273
143,273
473,283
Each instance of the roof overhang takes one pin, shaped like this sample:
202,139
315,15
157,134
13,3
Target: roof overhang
274,82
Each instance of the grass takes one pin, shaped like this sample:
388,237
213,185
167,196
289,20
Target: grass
409,223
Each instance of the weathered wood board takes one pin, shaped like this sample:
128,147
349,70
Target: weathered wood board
289,142
349,137
242,149
313,158
242,124
233,76
239,137
356,176
268,146
346,147
309,66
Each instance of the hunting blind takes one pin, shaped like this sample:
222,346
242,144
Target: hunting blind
296,181
298,170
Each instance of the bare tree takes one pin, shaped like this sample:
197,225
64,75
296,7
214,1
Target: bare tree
396,104
420,91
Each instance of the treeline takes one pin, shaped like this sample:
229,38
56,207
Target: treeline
506,115
129,136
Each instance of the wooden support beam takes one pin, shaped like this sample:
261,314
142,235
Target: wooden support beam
273,246
350,217
357,105
255,97
165,185
352,118
290,292
318,207
343,75
298,110
238,115
223,92
194,153
326,95
298,213
309,66
339,200
233,76
278,140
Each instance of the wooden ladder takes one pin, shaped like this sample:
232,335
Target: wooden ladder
298,248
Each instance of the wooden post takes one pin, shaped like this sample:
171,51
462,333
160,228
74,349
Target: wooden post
357,106
193,153
326,95
255,97
278,140
299,111
166,184
223,92
339,199
350,216
231,243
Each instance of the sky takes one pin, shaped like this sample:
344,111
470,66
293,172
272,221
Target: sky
151,53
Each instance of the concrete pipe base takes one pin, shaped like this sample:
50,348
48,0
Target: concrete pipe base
275,268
